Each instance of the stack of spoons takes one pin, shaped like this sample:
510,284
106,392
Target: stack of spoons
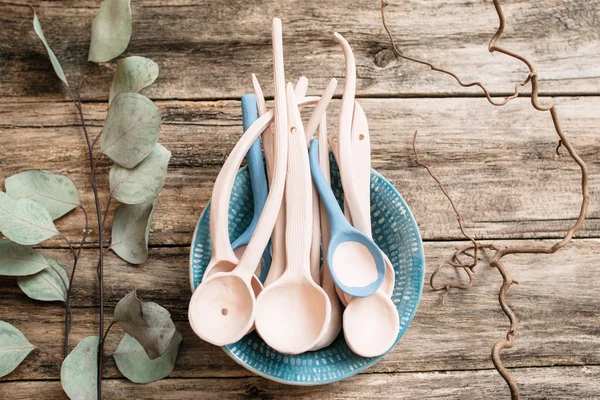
302,259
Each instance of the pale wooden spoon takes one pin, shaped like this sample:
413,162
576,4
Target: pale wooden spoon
293,312
222,308
335,323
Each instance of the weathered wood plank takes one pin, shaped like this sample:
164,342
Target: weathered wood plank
498,164
537,383
207,49
555,300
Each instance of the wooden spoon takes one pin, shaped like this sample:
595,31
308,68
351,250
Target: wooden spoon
222,308
335,323
278,237
293,312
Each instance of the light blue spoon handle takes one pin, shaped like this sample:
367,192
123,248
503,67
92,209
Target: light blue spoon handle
337,220
258,180
256,165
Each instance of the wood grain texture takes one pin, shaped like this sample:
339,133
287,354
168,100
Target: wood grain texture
207,49
499,164
555,300
559,383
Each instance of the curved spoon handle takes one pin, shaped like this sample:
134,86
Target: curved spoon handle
298,197
315,118
301,88
332,208
345,156
264,227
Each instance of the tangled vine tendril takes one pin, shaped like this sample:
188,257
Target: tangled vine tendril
499,251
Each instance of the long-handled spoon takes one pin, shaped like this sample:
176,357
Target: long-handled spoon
354,260
222,308
335,323
361,218
258,180
293,312
278,237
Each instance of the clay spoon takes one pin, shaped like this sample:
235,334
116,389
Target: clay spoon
361,218
258,180
278,237
293,312
335,323
222,308
354,260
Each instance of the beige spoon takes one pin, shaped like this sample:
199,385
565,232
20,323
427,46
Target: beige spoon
278,237
371,324
222,308
293,312
335,323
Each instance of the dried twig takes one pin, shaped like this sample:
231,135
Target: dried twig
500,252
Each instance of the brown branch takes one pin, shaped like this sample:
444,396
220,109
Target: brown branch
501,252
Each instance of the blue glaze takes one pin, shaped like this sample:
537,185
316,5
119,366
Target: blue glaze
396,233
258,180
341,231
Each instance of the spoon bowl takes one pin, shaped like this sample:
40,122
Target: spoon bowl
292,301
225,305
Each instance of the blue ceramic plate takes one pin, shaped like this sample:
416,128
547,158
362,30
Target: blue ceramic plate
396,233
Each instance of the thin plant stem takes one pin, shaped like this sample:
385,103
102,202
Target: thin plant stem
100,270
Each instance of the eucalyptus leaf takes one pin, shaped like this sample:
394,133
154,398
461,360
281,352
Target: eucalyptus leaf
14,347
132,75
37,27
148,323
142,183
55,192
130,231
19,260
50,284
131,129
25,221
79,374
134,364
111,30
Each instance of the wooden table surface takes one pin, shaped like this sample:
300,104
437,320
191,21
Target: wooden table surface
499,164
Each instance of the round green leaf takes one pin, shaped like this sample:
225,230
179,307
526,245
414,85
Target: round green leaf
131,129
142,183
14,347
134,364
19,260
130,231
56,193
111,30
50,284
37,27
149,323
132,75
25,221
78,374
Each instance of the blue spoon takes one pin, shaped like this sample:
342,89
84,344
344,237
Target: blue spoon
358,253
258,180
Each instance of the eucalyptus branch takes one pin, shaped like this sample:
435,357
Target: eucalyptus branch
500,252
100,271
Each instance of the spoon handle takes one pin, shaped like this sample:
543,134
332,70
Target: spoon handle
315,118
298,198
334,213
361,148
264,227
258,178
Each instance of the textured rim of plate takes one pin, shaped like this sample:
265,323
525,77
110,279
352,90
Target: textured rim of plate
419,256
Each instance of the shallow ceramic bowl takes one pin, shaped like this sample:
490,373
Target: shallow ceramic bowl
396,233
